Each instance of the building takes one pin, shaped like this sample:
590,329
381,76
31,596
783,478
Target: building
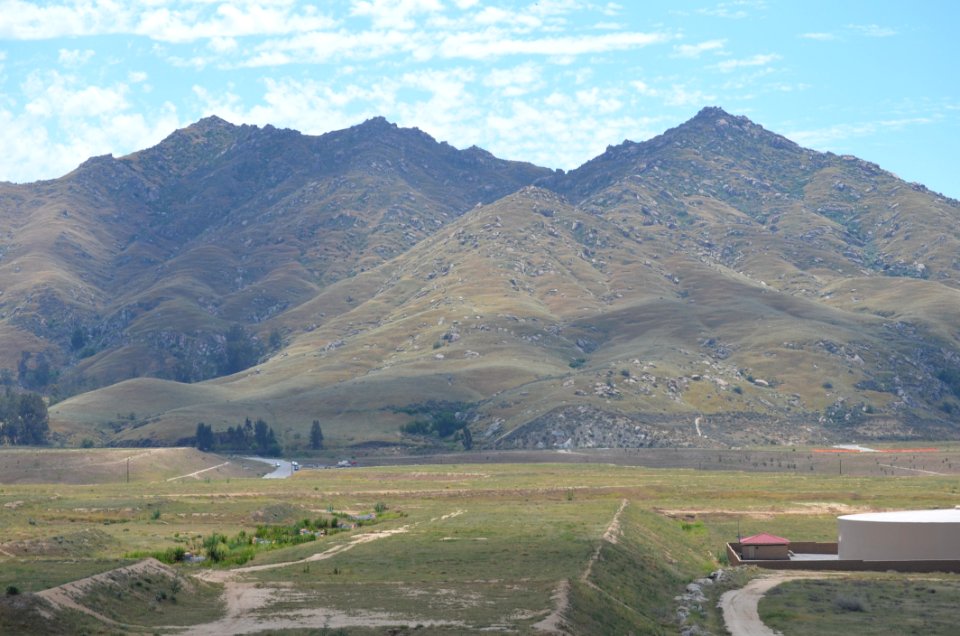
764,547
905,535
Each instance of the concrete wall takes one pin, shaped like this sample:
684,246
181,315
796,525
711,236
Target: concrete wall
848,565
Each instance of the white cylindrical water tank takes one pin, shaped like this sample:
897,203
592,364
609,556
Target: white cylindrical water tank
905,535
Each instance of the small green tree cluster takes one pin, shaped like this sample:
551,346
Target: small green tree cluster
440,419
23,419
240,351
257,437
316,436
34,372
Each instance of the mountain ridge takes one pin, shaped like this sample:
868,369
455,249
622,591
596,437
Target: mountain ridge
718,272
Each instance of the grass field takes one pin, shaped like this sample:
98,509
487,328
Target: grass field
881,604
595,547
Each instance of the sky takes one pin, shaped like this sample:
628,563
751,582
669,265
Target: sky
552,82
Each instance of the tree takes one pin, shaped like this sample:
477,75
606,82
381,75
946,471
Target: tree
316,436
204,437
34,421
467,438
23,418
240,351
260,433
276,340
78,339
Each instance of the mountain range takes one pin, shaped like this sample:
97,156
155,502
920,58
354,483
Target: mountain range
716,285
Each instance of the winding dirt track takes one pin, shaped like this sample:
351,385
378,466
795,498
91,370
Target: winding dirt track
740,606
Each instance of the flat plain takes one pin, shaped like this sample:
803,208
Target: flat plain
584,543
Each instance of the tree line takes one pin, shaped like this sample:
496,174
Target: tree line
257,437
23,419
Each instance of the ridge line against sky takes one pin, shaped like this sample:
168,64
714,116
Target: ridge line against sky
551,82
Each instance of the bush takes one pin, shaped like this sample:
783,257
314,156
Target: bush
12,590
850,604
738,390
576,363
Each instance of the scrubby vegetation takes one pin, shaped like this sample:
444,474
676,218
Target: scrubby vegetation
222,549
436,418
23,419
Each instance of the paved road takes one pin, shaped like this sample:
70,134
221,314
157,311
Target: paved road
284,470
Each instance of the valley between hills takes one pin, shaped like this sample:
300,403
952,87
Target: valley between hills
715,286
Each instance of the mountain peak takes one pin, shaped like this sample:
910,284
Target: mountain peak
712,113
210,123
378,123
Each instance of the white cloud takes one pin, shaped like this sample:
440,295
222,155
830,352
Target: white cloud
830,136
679,95
517,80
727,66
820,36
872,30
644,89
167,21
559,131
53,95
394,14
74,57
484,45
695,50
67,121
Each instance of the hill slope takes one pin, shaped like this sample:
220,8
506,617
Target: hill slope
715,285
142,265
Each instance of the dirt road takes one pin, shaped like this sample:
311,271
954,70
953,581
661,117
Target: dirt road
740,606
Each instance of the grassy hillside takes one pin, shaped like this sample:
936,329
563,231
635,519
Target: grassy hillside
717,285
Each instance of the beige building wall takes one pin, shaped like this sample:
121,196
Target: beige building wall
902,535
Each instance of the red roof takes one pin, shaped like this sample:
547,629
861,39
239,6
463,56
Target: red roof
764,539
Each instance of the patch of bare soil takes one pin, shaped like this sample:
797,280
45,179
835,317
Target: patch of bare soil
553,623
799,508
248,603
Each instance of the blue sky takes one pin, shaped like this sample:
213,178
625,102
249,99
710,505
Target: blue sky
553,82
